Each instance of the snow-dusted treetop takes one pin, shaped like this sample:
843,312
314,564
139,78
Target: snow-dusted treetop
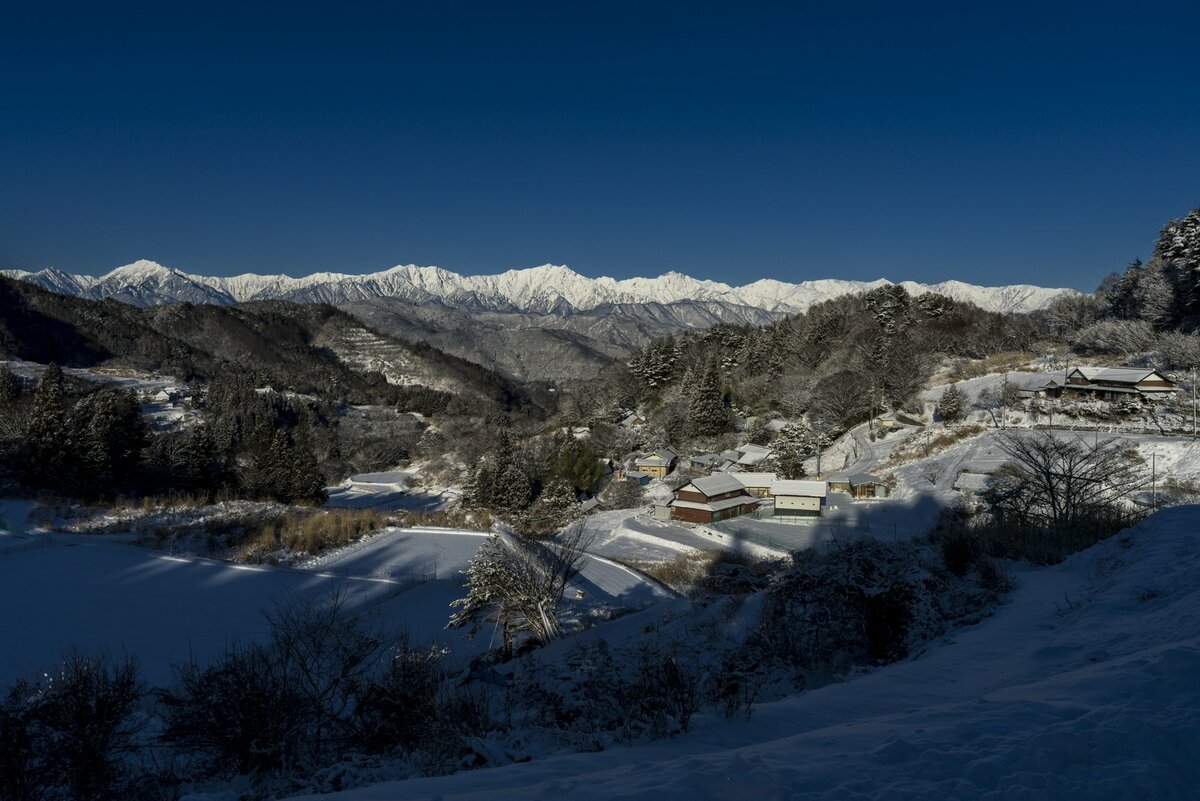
545,289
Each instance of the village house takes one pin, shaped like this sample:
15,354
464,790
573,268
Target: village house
633,420
757,484
859,485
711,499
798,498
751,455
658,464
1103,383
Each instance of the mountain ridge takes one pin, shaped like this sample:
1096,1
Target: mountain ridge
546,289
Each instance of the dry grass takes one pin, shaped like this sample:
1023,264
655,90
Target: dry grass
173,500
918,447
309,534
686,571
996,363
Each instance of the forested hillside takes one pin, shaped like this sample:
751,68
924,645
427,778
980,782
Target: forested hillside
835,363
1153,307
305,348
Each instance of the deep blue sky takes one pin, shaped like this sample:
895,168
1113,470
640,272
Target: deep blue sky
994,143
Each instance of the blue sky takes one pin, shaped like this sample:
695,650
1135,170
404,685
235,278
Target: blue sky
994,143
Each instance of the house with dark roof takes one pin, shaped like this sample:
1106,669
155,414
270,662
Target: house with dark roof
711,499
1103,383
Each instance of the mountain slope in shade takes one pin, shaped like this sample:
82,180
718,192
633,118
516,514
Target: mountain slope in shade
548,289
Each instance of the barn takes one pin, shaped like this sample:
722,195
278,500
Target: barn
795,498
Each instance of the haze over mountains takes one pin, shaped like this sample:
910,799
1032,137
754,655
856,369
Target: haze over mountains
542,323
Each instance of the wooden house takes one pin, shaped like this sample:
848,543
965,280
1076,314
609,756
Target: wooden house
1102,383
633,420
798,498
859,485
711,499
658,464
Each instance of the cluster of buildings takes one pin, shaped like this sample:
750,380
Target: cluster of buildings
729,491
721,496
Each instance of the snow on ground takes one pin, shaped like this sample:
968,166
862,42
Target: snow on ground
160,608
96,593
388,491
1083,687
631,534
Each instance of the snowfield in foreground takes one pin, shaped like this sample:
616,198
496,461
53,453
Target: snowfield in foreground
1085,686
92,592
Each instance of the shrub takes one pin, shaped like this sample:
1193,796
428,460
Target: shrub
862,603
71,734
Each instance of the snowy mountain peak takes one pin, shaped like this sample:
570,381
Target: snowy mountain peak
545,289
139,270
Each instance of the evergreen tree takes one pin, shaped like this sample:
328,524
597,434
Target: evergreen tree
306,484
952,406
512,490
789,450
555,507
46,438
10,387
757,432
107,436
707,414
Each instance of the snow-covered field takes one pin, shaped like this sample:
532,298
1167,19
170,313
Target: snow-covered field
92,592
388,491
1085,686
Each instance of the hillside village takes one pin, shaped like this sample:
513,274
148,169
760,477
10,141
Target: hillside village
649,549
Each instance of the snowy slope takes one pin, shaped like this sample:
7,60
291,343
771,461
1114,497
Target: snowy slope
546,289
1085,686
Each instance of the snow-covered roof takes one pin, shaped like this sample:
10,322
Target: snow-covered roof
717,484
1121,375
749,449
807,489
663,456
975,482
856,478
756,480
715,506
636,474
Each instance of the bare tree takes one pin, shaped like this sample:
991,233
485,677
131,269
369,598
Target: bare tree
518,584
1061,481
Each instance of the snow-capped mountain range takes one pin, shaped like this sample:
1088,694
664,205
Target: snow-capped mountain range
549,289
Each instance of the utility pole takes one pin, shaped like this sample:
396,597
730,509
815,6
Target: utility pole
1193,403
1004,402
1153,482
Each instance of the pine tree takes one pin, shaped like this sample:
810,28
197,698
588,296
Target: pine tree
789,450
46,439
707,414
512,490
555,507
10,387
952,406
306,484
